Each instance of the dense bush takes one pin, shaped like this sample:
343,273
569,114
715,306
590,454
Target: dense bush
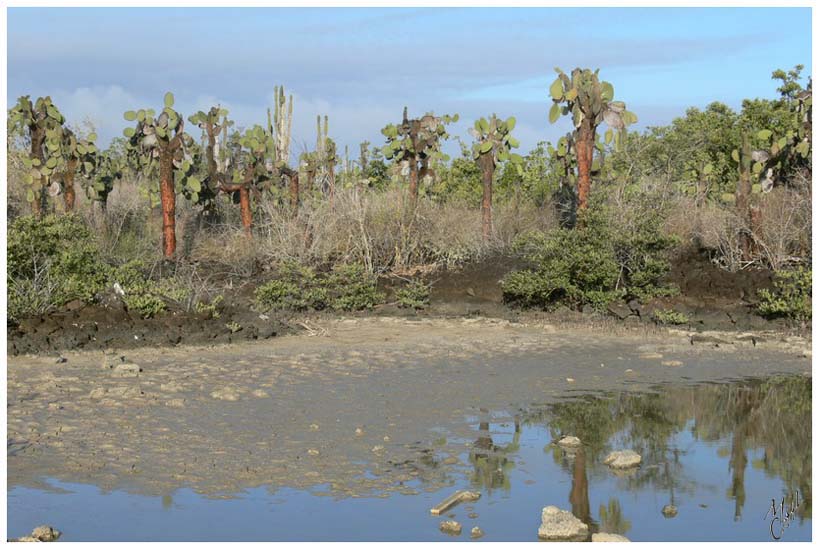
347,287
415,295
50,263
569,266
600,260
791,297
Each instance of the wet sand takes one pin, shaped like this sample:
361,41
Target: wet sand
355,405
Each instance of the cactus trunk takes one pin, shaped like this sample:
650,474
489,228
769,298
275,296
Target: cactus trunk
245,209
68,183
294,192
331,174
485,162
38,136
584,151
414,181
168,201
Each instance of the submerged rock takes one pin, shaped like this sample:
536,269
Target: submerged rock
450,527
43,533
569,441
557,524
623,459
476,532
669,511
609,537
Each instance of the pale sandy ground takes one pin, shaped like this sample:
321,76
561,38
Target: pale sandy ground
355,405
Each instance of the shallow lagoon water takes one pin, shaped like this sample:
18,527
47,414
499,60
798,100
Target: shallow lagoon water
719,452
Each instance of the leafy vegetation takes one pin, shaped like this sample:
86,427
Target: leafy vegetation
791,297
595,217
594,264
670,317
415,295
347,287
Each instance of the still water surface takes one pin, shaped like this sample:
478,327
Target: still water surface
718,452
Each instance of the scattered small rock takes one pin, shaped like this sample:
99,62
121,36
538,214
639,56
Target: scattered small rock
472,515
175,403
127,368
97,393
313,452
450,527
571,380
669,511
623,459
378,448
476,532
672,363
259,393
651,355
225,394
60,360
609,537
359,432
557,524
314,427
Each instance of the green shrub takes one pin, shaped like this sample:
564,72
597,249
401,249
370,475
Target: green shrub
298,288
415,295
601,260
211,308
569,266
670,317
51,261
346,287
641,249
146,296
350,288
791,297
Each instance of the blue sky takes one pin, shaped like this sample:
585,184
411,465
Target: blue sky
360,66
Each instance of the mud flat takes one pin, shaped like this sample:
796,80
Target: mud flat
353,406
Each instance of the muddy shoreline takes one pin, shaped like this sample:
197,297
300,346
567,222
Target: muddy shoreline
711,299
351,405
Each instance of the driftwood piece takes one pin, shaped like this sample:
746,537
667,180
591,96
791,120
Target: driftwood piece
454,499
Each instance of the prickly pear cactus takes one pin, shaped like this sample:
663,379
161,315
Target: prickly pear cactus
590,101
80,157
42,123
214,125
493,137
415,142
493,144
156,138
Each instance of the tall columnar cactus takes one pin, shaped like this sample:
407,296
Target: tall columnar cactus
493,144
214,125
414,143
251,171
364,152
80,156
590,101
279,127
161,141
42,123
